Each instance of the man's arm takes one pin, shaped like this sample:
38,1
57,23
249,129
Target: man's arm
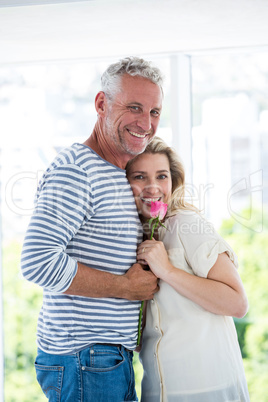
54,223
136,284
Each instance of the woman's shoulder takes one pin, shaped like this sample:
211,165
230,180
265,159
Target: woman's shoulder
190,226
186,216
200,240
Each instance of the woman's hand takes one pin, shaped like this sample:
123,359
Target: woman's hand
222,292
154,254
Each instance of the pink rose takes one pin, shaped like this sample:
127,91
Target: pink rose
157,212
158,209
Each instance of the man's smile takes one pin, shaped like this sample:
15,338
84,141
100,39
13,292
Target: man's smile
137,134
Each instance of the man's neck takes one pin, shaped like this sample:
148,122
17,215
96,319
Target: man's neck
97,142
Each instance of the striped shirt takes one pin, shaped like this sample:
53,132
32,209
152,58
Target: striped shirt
85,212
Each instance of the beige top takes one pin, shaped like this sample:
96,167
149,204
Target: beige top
188,353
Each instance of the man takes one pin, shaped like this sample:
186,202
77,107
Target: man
81,246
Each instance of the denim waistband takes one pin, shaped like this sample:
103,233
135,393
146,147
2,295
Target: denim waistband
117,345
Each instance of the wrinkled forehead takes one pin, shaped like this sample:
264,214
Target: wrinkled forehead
137,89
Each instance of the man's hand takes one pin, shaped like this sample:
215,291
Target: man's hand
139,284
135,284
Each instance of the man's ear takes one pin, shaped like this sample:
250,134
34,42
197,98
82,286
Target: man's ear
101,103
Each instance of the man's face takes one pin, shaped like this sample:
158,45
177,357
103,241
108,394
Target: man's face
133,115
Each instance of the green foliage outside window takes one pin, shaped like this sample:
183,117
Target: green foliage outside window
251,248
22,301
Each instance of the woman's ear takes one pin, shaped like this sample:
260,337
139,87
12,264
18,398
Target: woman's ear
100,103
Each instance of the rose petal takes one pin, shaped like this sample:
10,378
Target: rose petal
158,209
155,208
163,211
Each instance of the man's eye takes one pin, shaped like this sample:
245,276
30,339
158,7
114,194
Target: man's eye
155,113
134,108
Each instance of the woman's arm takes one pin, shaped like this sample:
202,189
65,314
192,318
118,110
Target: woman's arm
222,292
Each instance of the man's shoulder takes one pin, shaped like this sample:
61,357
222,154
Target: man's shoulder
75,154
77,157
80,160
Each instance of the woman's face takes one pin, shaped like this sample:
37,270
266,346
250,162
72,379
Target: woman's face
150,179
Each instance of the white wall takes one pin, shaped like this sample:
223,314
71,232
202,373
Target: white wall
105,28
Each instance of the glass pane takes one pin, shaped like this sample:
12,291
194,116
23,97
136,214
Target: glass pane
230,156
230,126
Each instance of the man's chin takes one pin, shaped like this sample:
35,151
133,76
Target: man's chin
138,150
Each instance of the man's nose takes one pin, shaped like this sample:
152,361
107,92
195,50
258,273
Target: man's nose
144,121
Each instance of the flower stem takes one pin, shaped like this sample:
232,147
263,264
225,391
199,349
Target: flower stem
142,303
156,221
139,326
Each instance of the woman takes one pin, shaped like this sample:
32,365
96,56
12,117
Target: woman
190,351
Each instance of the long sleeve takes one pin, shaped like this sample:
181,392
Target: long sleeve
62,205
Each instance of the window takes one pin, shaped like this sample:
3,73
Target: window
47,107
230,129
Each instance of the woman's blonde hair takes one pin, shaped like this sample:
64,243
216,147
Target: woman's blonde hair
158,146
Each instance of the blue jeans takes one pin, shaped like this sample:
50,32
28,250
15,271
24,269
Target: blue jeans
100,373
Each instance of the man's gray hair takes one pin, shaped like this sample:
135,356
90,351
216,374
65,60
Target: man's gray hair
134,66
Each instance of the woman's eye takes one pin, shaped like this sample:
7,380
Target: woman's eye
138,177
162,176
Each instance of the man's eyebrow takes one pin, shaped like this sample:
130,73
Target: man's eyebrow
141,105
135,103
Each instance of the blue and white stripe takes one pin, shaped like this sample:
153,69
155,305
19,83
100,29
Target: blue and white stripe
85,212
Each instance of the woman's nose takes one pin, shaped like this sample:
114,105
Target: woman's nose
152,188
